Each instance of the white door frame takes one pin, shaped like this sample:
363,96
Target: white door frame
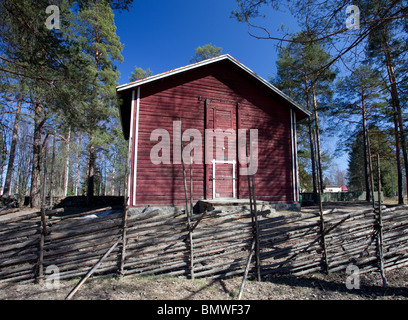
233,162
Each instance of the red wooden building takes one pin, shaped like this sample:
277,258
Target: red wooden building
215,94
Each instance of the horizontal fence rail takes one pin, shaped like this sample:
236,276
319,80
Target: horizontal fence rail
219,246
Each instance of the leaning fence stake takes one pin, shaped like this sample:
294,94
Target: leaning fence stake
90,272
254,217
241,289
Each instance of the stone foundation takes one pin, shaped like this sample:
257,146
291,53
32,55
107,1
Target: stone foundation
221,204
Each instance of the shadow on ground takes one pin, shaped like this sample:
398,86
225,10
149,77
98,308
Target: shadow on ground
337,284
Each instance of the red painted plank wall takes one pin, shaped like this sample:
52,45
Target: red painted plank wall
273,179
183,97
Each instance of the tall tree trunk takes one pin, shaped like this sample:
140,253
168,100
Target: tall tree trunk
78,165
43,188
318,150
104,178
66,165
35,192
3,158
91,170
311,143
52,183
398,160
370,166
113,174
312,158
13,146
366,154
398,122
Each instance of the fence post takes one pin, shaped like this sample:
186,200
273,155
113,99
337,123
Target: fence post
189,207
254,216
124,229
380,226
257,249
322,226
43,232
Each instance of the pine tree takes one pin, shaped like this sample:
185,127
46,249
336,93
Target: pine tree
387,48
361,101
139,73
13,146
380,144
355,172
102,48
332,20
47,63
300,75
206,52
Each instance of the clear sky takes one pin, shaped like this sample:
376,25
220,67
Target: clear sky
163,35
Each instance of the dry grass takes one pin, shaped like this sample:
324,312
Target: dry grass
312,287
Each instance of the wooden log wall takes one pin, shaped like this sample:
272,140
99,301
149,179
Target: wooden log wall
74,245
292,244
159,244
221,244
19,250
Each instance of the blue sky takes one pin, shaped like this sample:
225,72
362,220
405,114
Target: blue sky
163,35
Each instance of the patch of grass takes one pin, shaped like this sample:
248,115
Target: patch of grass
276,287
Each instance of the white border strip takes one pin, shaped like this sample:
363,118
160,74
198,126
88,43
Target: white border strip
293,155
233,179
213,174
130,147
136,145
296,157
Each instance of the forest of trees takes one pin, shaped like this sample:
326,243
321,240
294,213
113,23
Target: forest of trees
348,66
60,129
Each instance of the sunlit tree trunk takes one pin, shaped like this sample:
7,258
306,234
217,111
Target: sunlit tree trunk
13,146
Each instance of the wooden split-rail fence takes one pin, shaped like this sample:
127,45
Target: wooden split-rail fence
212,244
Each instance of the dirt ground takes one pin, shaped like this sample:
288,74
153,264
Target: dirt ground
311,287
